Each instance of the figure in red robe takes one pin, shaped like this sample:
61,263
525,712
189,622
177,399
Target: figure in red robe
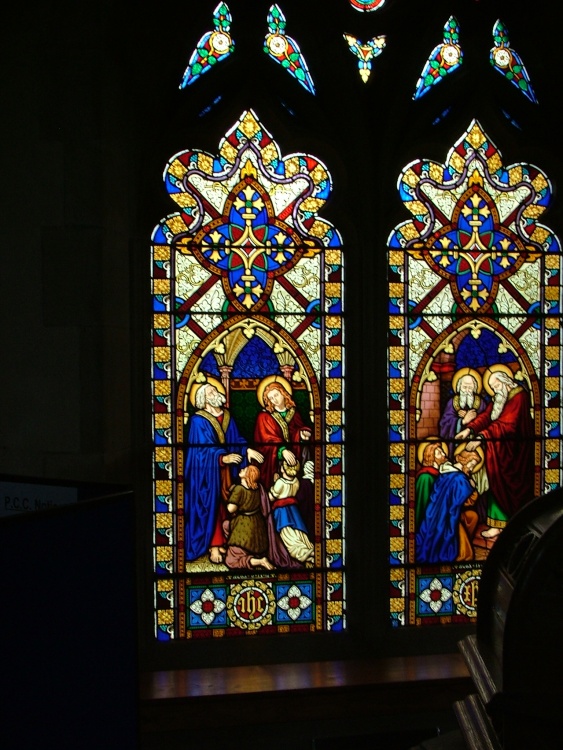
279,433
506,430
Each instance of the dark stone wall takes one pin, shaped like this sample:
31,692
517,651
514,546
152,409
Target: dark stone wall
65,245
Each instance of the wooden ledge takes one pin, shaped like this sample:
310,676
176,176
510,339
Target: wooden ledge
307,689
303,676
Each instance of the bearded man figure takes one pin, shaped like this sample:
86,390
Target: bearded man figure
461,409
214,448
506,431
464,405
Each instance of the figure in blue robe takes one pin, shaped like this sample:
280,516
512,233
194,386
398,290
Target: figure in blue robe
215,452
438,538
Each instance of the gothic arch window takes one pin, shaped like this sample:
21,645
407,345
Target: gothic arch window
474,370
248,366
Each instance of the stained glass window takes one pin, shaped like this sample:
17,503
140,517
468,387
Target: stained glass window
248,288
285,50
213,47
248,370
474,370
509,63
367,6
365,53
444,59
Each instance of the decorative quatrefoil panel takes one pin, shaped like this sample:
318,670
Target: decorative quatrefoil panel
475,222
247,214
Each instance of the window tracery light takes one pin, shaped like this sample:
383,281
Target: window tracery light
365,53
213,47
509,63
444,59
367,6
285,50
